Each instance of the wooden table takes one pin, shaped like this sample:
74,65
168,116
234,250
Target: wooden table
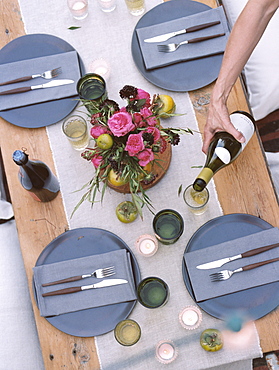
243,187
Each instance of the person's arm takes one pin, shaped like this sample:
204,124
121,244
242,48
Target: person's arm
245,35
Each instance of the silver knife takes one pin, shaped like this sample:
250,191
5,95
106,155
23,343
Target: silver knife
222,261
52,83
101,284
167,36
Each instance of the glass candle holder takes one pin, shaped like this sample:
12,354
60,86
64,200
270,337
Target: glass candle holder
92,87
127,332
78,8
107,6
196,200
168,226
190,317
152,292
76,131
147,245
101,67
166,352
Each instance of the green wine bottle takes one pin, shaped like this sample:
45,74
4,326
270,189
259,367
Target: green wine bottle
224,148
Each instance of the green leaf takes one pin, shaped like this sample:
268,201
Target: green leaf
179,189
72,28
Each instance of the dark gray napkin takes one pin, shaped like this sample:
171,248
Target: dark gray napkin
56,305
70,70
205,289
154,59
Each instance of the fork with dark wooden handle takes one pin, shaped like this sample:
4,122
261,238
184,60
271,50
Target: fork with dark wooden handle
226,274
47,75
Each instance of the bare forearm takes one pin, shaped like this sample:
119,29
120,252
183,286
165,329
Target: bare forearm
245,35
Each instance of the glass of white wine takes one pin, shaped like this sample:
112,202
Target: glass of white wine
76,131
196,200
135,7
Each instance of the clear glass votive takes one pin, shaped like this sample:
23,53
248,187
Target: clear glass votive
168,226
152,292
127,332
78,8
101,67
107,6
147,245
166,352
190,317
135,7
196,200
92,86
76,131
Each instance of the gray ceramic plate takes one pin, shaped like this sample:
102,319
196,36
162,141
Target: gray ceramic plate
84,242
43,114
184,76
256,302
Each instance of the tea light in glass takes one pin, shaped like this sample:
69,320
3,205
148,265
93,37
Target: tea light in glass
78,8
166,352
190,317
147,245
127,332
101,67
107,6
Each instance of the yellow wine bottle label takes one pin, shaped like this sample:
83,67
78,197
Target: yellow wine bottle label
206,175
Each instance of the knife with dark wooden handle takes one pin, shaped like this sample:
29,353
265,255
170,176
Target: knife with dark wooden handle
53,83
222,261
168,35
101,284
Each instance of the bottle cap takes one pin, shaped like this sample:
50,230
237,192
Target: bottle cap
20,157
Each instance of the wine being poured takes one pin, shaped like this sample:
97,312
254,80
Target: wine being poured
224,148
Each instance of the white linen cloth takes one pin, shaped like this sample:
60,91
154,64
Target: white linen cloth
19,337
109,36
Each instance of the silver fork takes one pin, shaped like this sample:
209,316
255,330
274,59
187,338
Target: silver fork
168,48
226,274
47,75
99,273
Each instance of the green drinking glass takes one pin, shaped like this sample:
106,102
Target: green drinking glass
92,87
168,226
152,292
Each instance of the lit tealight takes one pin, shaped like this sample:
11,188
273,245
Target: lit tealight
166,352
147,245
101,67
190,317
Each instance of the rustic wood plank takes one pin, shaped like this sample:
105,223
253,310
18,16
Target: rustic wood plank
38,223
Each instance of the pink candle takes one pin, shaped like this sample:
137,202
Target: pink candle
166,352
147,245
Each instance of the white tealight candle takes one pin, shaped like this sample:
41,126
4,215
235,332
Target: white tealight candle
147,245
190,317
101,67
166,352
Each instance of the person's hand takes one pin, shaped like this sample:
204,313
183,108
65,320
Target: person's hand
218,120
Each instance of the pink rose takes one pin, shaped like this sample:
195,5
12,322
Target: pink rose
145,157
98,130
97,160
134,144
121,123
137,119
148,117
144,95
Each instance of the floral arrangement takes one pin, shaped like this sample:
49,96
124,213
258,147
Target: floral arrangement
127,140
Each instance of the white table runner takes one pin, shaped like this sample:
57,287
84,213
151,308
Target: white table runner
109,36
